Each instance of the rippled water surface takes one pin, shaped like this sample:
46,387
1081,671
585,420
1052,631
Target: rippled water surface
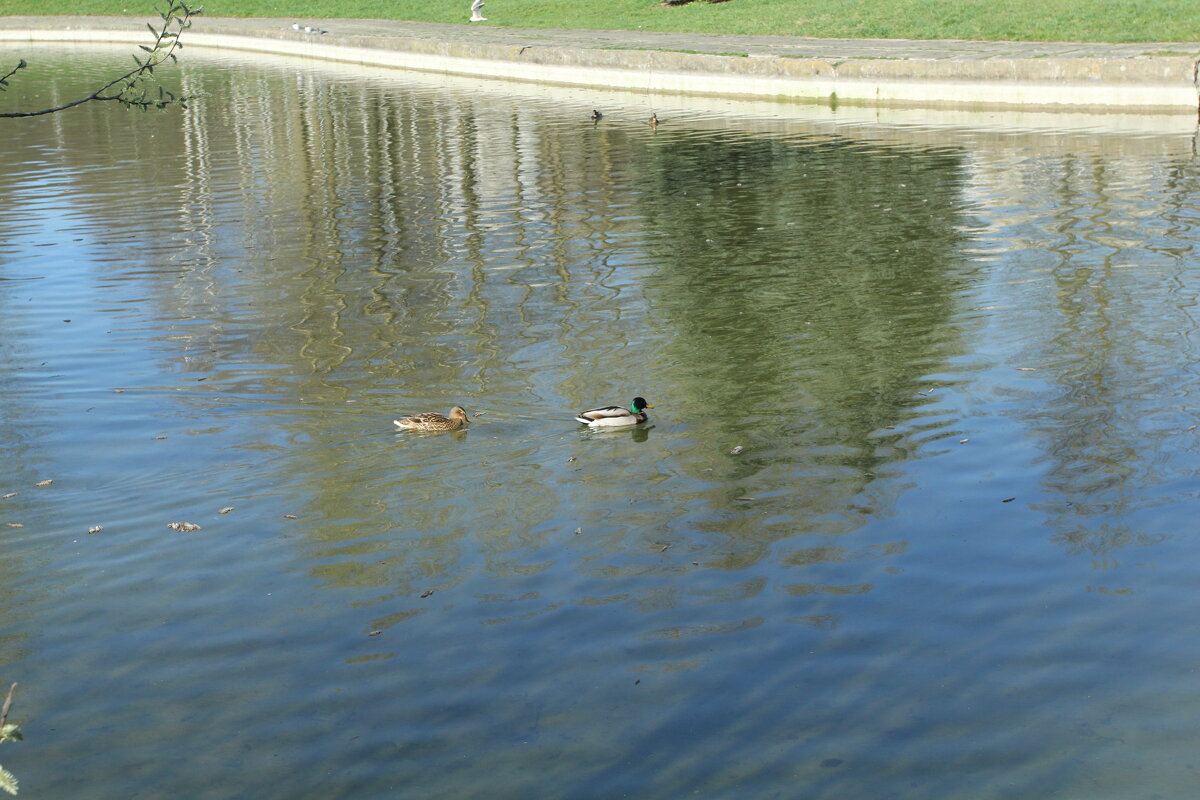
956,556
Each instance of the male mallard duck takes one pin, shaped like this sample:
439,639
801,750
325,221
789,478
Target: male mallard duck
610,416
429,421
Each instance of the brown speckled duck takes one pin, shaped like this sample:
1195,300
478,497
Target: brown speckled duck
431,421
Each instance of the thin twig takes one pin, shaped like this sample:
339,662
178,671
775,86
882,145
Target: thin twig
179,14
4,79
7,706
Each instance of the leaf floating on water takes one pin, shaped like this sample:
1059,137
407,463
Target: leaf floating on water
226,510
736,450
183,527
1008,500
95,529
426,593
44,483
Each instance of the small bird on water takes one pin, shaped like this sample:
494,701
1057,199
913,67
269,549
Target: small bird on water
612,416
432,421
654,120
596,114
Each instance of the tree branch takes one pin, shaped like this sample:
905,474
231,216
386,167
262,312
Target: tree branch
7,706
129,89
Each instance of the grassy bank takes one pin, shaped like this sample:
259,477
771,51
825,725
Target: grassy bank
1022,20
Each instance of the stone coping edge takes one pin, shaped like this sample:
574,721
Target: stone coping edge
1166,83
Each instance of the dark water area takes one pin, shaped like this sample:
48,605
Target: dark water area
954,556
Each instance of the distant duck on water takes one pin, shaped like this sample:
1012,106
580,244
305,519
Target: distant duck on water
432,421
613,416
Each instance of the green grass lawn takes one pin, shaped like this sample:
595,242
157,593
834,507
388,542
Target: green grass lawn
1025,20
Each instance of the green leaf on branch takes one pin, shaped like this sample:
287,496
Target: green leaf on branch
132,89
8,781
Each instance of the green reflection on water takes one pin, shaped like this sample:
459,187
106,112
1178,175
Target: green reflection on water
901,329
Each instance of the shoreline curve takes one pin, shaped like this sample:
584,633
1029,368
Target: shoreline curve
1144,78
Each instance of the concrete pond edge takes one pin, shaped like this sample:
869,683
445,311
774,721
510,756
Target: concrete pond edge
1007,78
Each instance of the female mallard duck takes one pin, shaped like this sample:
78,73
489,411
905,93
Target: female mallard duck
429,421
611,416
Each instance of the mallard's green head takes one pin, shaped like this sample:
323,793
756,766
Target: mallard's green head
639,404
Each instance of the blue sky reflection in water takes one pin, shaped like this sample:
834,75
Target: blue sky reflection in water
951,560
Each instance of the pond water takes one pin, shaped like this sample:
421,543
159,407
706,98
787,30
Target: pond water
951,559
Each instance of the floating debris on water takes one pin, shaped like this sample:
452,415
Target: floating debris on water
226,510
44,483
10,494
736,450
95,529
183,527
426,593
